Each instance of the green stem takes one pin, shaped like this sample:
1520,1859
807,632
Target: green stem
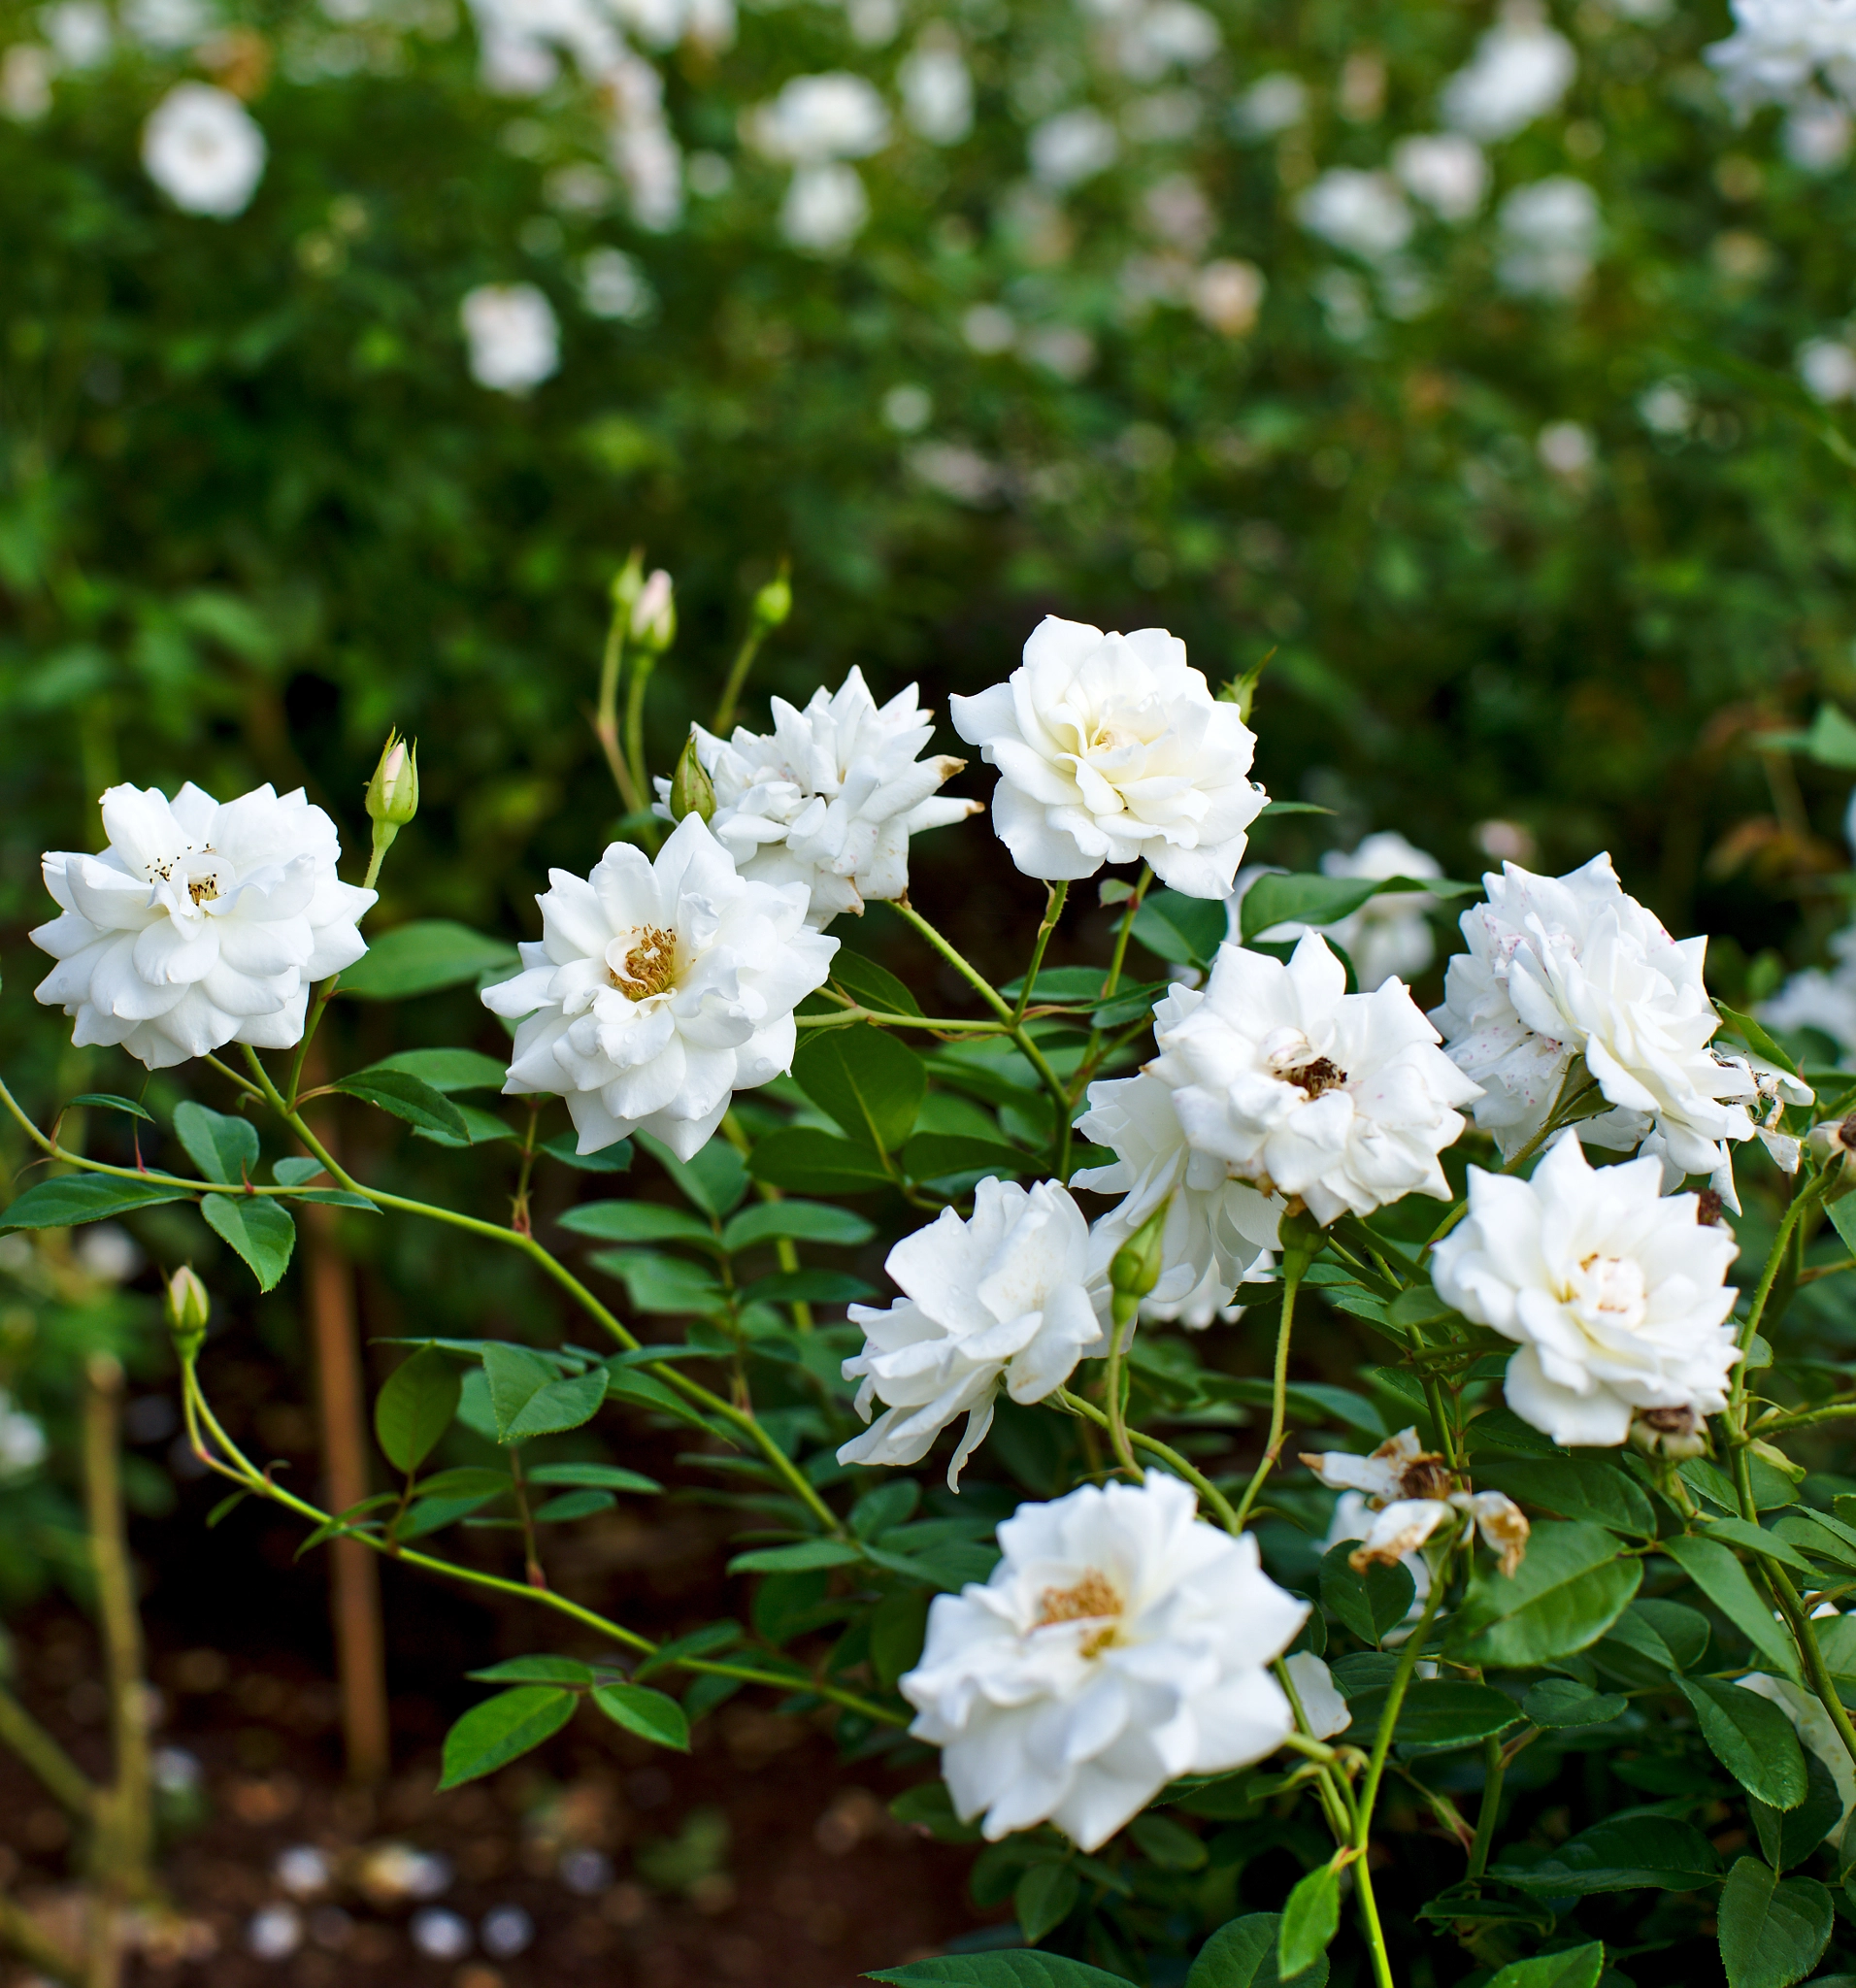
605,716
1370,1926
235,1465
20,1931
61,1777
935,1025
737,677
1124,932
1802,1201
1295,1263
1125,1306
1394,1698
551,1266
1054,896
642,665
1174,1461
1494,1769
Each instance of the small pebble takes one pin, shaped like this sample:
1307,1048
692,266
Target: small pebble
274,1934
441,1936
506,1931
302,1871
587,1871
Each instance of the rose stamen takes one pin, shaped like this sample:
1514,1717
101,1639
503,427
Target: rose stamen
651,966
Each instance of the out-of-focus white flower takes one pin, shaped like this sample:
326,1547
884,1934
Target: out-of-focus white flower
1120,1642
1149,39
1228,294
1176,208
1827,368
1065,351
1616,1293
1550,238
513,337
1390,937
614,285
1014,1297
825,209
907,409
202,148
652,166
1667,409
1445,170
22,1440
937,89
165,24
1110,749
1073,147
1567,448
1272,103
108,1251
79,31
1818,134
815,119
1324,1711
200,924
1520,71
657,990
830,800
1303,1088
1560,968
1814,999
27,70
1219,1230
1815,1729
1778,47
1363,213
1410,1491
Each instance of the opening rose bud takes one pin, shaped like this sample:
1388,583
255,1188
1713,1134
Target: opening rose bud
186,1306
654,612
393,793
691,791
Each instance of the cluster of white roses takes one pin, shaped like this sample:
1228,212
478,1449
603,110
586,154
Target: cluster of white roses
1122,1641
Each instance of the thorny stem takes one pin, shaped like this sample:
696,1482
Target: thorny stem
1054,896
232,1463
1174,1461
1295,1263
552,1265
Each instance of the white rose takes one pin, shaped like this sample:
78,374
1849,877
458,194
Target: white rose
1218,1231
1112,750
1520,70
200,924
1013,1297
1396,1498
1363,213
659,990
1390,937
1444,170
1303,1088
1616,1293
1778,46
1565,967
832,798
1814,999
203,149
1550,238
513,339
1120,1642
815,119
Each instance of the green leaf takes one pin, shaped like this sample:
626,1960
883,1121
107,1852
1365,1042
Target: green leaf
503,1729
1752,1738
1789,1835
716,1180
1832,739
422,957
108,1101
470,1480
1310,1918
651,1714
543,1670
592,1477
1013,1969
870,985
1632,1852
1369,1604
1651,1639
811,1161
1305,899
637,1221
1565,1594
1168,1843
662,1284
1564,1703
1754,1035
1242,1954
1578,1487
1583,1966
408,1097
294,1172
223,1149
75,1198
1439,1713
1739,1532
934,1155
1773,1931
1315,1401
795,1559
1713,1569
480,1128
1044,1897
529,1399
1184,931
803,1221
449,1071
259,1231
866,1080
572,1504
415,1408
898,1626
615,1158
807,1287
